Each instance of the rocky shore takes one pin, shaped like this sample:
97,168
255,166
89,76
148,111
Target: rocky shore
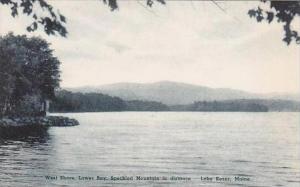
26,125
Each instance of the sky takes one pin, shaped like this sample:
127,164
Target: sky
193,42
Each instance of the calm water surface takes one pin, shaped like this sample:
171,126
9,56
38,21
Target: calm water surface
263,147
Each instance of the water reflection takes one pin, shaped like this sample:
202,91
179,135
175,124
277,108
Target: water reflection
24,133
158,144
23,157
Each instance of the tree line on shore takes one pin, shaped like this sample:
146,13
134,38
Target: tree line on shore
29,75
67,101
220,106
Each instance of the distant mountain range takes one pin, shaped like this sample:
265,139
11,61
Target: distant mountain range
175,93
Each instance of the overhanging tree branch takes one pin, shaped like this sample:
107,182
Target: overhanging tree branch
53,23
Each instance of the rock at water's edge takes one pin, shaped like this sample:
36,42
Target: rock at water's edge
28,125
48,121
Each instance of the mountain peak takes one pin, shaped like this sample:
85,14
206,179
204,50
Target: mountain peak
171,93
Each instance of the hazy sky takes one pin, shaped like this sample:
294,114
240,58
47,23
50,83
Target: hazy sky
193,42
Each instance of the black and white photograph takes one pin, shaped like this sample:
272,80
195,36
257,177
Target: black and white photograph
149,93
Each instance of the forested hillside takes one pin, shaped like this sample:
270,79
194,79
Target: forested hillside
66,101
96,102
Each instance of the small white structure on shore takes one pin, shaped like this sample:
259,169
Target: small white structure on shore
45,106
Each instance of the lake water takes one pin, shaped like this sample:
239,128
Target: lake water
260,147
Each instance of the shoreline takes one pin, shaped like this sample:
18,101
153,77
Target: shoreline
123,111
22,126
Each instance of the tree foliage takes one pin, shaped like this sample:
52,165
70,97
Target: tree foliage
137,105
51,20
282,11
222,106
8,71
28,68
66,101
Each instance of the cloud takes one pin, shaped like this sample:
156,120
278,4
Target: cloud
193,42
119,48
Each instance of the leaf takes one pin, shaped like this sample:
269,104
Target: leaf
149,3
287,40
112,4
270,16
252,13
34,26
29,28
298,40
14,10
162,1
62,18
259,18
